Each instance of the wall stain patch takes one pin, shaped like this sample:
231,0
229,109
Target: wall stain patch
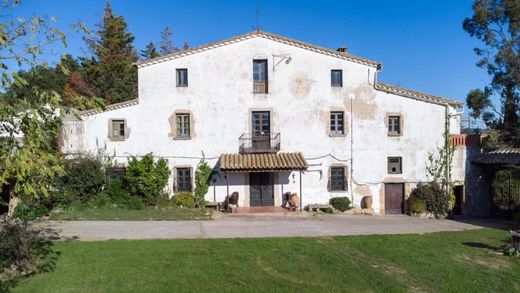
300,85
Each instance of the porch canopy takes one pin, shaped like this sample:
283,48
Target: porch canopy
499,158
264,162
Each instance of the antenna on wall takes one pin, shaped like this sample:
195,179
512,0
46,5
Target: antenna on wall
257,27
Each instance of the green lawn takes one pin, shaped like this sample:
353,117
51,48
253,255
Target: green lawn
450,261
120,214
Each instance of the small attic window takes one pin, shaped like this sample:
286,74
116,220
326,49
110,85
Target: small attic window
182,77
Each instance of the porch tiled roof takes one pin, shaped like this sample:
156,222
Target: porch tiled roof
262,162
499,157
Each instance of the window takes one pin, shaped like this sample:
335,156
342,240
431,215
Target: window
183,180
394,125
336,123
260,76
118,129
115,174
395,165
182,77
337,179
336,78
182,122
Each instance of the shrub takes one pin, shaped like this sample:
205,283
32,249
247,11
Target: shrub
100,201
134,203
184,199
416,205
340,203
83,180
22,251
146,178
436,200
202,176
32,208
116,193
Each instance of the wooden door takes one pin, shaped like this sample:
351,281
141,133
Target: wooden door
261,130
261,191
394,198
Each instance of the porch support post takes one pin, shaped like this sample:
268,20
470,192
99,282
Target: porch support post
227,188
301,194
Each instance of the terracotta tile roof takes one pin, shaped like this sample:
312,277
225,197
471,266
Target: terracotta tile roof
266,35
416,95
262,162
499,157
110,107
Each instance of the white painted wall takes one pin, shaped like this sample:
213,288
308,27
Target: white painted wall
220,96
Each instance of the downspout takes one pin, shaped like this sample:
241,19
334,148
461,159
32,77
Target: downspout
447,149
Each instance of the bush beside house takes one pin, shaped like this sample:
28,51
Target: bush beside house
428,197
86,184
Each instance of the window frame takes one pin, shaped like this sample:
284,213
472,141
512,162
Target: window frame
179,79
332,83
263,77
336,124
390,165
332,187
122,132
178,180
183,121
390,117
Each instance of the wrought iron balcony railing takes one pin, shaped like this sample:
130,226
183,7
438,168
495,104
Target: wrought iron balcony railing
262,143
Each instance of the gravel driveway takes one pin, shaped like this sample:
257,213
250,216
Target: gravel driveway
248,227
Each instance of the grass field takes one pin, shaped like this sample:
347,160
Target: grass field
450,261
120,214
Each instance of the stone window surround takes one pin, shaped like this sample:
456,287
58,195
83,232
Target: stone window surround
329,133
110,130
401,123
346,177
173,125
175,177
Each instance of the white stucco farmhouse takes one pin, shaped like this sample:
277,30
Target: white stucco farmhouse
272,115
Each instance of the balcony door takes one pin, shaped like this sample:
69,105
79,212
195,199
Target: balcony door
261,130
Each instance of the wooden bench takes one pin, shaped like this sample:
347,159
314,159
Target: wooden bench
317,207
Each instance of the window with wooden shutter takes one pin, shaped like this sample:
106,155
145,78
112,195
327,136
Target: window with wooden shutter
183,176
338,178
395,165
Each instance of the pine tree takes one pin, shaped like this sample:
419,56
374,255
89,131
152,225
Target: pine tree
110,70
166,45
186,46
150,51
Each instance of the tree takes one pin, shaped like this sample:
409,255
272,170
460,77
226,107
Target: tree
186,46
110,71
166,44
29,158
149,52
497,24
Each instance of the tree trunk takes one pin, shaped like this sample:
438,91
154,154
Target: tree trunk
13,202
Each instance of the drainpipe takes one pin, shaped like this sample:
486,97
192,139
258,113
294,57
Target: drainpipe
447,148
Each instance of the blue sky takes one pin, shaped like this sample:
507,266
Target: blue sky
420,43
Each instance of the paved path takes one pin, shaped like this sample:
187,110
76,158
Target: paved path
248,227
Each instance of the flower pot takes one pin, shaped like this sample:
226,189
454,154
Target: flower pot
367,202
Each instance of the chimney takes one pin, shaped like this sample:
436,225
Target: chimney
342,49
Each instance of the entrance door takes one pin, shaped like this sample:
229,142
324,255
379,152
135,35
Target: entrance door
261,192
261,130
394,198
459,194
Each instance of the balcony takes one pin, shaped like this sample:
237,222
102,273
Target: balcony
260,87
259,143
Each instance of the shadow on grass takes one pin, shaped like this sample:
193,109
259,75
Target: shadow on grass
481,245
28,251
